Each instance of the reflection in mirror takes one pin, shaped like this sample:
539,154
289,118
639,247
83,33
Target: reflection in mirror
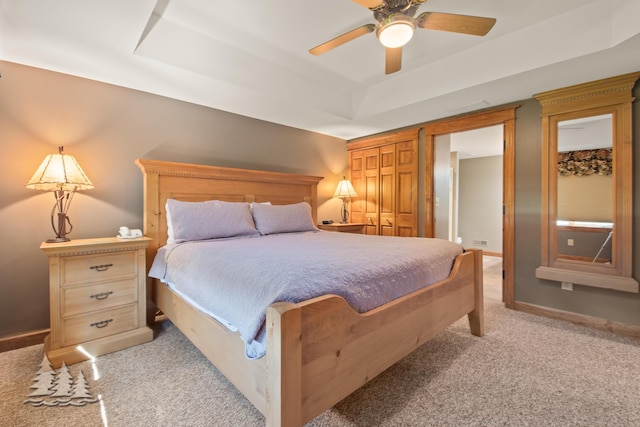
584,222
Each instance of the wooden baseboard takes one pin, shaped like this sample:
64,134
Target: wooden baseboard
498,254
23,340
616,328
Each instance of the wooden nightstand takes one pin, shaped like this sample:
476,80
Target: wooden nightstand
97,290
356,227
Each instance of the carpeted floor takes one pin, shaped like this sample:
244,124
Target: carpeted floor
526,371
492,278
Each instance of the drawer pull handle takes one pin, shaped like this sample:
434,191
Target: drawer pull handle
101,295
102,323
102,267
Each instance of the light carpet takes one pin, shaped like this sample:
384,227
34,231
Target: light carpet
526,371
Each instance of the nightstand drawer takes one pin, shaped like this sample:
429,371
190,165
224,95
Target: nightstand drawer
79,329
85,299
95,268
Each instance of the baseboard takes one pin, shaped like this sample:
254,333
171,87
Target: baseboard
23,340
616,328
498,254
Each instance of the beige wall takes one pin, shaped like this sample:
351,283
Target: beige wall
480,216
106,128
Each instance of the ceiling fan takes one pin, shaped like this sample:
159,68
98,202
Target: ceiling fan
396,24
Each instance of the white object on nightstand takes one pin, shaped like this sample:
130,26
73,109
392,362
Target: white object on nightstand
97,291
127,233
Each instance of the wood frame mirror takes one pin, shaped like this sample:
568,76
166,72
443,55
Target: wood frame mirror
606,101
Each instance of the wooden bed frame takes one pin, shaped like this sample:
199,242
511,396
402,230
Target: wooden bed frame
318,351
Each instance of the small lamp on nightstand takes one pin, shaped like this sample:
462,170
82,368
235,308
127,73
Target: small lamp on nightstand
61,174
345,192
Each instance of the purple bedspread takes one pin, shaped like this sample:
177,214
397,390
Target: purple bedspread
237,279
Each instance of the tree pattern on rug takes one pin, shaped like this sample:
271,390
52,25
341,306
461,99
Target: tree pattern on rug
58,388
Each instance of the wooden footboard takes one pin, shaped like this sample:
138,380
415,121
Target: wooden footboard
321,350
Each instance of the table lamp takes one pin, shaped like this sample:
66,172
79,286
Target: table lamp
61,174
345,192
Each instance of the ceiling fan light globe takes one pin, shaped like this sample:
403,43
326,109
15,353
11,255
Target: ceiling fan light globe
396,31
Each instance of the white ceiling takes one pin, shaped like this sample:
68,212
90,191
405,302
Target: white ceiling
475,143
251,57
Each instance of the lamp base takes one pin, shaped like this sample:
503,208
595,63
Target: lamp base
344,212
61,230
58,240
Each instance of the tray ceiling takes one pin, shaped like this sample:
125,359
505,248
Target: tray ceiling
251,57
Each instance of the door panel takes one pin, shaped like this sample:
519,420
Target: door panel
371,178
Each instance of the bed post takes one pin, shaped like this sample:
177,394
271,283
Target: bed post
151,226
284,366
476,317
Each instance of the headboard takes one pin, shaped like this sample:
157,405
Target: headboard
190,182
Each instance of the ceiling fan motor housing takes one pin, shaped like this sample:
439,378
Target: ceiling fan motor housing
393,7
396,30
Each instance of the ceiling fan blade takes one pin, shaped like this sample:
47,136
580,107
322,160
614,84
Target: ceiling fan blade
340,40
393,59
371,4
474,25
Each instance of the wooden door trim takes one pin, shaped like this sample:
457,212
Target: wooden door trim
506,117
382,139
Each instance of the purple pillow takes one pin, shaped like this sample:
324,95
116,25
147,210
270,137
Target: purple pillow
212,219
271,219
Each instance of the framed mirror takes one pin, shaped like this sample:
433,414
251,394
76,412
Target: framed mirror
587,184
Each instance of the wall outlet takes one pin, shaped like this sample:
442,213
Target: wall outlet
567,286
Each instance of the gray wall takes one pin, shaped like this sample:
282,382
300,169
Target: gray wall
106,128
612,305
480,214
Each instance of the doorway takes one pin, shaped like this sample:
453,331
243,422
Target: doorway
468,188
506,118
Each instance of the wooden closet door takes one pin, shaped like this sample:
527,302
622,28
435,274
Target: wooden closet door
387,181
384,173
406,207
371,162
356,176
